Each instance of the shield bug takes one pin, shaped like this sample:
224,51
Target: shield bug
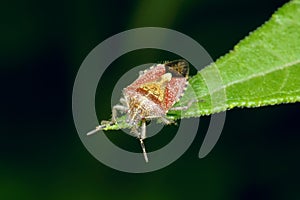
151,96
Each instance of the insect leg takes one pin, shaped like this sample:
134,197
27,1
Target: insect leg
166,121
163,119
113,121
144,150
123,101
143,129
115,109
185,107
143,136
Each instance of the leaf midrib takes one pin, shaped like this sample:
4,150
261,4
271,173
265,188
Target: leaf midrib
260,74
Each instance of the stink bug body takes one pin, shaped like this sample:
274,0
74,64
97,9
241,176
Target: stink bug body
151,96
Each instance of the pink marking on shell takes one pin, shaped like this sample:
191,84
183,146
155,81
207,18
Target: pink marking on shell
175,89
149,76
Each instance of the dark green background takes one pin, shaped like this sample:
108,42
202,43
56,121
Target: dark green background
43,44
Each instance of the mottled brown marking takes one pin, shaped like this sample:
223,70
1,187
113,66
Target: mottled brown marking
178,68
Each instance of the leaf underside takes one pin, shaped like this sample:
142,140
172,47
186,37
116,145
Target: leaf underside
262,69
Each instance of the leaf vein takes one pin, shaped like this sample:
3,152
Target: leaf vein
281,67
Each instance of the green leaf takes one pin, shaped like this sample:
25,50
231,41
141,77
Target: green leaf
263,69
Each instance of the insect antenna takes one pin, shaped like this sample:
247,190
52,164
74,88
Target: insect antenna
144,150
98,128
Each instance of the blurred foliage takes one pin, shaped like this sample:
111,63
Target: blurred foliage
43,44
